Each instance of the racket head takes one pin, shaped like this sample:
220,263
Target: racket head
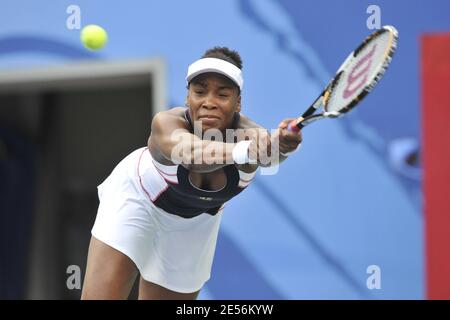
360,72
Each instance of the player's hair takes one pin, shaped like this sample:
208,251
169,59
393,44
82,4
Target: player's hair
226,54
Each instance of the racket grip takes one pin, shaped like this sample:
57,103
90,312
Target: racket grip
293,126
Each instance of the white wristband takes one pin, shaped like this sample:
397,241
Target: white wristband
240,152
287,154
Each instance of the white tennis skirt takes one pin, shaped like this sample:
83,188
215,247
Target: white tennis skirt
171,251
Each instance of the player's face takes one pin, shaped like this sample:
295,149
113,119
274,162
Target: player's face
213,99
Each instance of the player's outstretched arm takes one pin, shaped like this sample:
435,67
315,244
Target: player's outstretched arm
171,140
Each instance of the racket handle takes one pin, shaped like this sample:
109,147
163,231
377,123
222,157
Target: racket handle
294,126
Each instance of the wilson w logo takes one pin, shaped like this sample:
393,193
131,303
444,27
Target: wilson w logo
359,73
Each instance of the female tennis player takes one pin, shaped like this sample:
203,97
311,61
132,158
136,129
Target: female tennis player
160,208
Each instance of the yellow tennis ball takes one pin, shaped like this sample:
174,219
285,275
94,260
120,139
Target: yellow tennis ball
93,37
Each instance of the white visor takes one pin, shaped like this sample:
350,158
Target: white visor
215,65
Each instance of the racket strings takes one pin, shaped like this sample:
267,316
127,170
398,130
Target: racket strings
361,72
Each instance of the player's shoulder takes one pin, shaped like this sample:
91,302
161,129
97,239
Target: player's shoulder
172,112
170,118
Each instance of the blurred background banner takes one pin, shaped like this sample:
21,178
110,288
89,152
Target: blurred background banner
436,137
365,229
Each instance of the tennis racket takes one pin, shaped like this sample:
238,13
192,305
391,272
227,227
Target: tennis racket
357,76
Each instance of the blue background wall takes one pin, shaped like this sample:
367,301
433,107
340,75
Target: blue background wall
341,204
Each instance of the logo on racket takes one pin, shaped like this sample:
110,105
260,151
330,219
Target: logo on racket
364,73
